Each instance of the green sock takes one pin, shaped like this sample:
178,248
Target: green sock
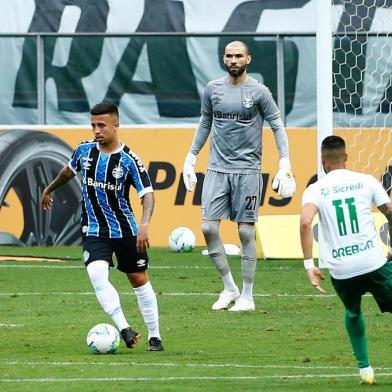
355,326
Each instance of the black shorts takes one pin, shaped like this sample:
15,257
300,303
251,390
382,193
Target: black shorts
128,258
378,283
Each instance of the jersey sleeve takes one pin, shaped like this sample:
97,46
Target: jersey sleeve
379,195
267,104
280,135
206,106
205,122
310,196
140,178
75,163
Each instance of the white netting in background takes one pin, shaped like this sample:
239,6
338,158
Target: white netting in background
362,83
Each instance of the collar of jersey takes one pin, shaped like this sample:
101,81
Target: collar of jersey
113,152
236,85
338,171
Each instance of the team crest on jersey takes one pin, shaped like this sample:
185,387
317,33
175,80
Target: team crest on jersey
247,103
117,172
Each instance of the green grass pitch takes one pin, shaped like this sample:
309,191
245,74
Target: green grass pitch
294,341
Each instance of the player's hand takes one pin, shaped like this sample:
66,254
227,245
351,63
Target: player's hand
46,200
142,241
284,181
188,172
315,276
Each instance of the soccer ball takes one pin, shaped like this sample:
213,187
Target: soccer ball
103,339
182,239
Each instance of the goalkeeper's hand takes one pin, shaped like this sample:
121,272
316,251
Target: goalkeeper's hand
188,172
284,181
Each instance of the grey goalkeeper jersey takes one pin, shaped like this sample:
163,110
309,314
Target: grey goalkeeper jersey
234,115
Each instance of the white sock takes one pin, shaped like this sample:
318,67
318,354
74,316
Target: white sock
148,306
228,282
247,291
366,370
107,295
248,259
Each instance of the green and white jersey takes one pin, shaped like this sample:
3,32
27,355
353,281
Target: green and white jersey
234,114
351,243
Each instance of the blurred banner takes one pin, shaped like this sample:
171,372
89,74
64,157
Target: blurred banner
154,79
30,159
160,79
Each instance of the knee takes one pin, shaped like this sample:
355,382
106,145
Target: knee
352,315
246,233
98,272
138,279
210,229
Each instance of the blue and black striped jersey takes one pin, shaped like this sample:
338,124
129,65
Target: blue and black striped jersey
106,180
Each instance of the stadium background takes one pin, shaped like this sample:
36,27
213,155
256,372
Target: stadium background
153,58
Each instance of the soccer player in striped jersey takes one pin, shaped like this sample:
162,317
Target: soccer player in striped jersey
233,111
353,254
108,169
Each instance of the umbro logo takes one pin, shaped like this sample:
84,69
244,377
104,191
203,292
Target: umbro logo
86,163
141,263
216,100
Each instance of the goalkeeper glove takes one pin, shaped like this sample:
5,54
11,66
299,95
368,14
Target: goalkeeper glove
188,172
284,181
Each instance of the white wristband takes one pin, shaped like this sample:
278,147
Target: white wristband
308,263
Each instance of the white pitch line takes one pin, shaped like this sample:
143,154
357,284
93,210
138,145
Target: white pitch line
190,267
263,295
11,325
191,378
174,364
190,365
42,266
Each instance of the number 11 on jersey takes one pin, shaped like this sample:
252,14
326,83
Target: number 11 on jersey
349,204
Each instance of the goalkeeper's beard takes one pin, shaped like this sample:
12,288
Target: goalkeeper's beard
236,72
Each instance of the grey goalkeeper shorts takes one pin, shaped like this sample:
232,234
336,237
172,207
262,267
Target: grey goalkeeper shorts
234,196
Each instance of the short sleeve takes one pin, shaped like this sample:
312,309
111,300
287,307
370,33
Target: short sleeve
379,195
310,196
140,178
75,162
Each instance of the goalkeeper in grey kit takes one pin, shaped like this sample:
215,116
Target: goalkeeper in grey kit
232,113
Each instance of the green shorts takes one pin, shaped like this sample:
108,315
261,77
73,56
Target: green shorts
378,283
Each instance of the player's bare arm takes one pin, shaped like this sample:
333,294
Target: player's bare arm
62,178
386,209
308,213
142,241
